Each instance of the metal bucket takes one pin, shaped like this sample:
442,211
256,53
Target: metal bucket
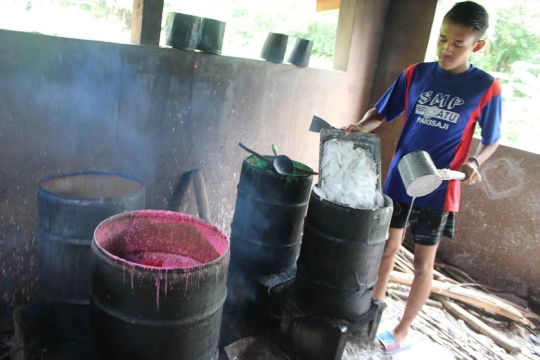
266,231
70,206
419,173
301,52
212,33
157,287
340,256
183,31
274,47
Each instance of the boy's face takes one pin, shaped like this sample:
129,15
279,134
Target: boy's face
456,45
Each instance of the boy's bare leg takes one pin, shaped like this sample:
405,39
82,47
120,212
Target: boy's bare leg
424,261
391,248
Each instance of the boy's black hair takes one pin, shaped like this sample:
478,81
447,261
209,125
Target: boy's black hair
470,14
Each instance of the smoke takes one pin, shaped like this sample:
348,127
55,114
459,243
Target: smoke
65,105
85,105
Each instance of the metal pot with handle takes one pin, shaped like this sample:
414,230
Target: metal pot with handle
420,175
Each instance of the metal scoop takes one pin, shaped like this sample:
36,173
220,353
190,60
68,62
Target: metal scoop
283,164
420,175
318,124
254,153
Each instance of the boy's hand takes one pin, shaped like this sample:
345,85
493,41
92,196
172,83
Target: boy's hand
472,174
352,128
371,120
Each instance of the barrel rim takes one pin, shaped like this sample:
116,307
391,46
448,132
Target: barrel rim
388,202
90,172
119,260
275,173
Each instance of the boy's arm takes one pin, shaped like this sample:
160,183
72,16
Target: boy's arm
391,105
472,166
371,120
490,122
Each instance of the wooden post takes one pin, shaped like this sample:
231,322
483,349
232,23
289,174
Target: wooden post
146,21
325,5
347,13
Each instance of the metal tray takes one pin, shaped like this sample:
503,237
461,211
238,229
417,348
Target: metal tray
369,142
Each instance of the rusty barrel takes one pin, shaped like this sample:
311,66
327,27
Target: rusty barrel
266,231
158,284
70,206
339,261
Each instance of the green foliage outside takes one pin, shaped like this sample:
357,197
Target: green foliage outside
323,35
514,35
512,55
250,21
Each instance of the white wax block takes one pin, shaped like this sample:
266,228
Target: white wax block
347,164
330,195
317,190
333,168
380,199
349,175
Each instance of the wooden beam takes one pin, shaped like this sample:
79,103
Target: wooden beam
469,296
146,21
498,337
325,5
344,32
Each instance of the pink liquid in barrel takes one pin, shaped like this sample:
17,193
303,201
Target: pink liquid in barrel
163,240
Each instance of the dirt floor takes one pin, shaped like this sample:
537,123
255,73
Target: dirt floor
435,334
438,335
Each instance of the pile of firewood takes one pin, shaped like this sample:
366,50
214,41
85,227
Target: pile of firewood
486,313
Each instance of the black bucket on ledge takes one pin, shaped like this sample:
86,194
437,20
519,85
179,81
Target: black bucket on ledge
274,47
212,33
183,31
301,52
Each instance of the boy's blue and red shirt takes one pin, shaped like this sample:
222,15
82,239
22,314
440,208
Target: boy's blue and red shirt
440,113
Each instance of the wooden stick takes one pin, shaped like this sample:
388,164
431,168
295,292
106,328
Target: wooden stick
407,268
463,277
405,296
479,326
410,256
425,320
486,347
469,296
456,273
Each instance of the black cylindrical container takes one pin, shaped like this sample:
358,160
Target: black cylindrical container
212,36
182,31
340,257
274,47
158,284
266,230
301,52
70,206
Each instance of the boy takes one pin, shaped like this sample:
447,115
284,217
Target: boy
441,103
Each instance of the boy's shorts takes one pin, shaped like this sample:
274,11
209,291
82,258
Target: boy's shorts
427,225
